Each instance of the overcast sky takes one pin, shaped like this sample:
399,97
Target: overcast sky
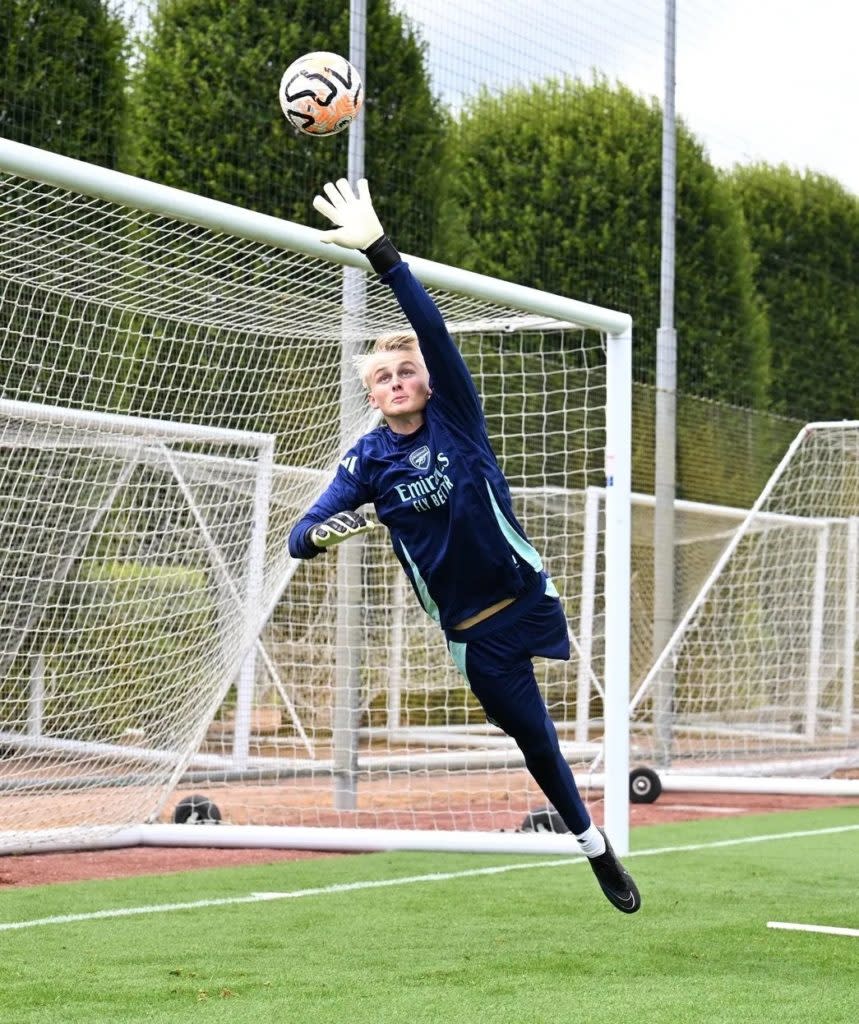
772,80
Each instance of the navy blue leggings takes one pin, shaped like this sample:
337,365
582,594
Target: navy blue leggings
498,667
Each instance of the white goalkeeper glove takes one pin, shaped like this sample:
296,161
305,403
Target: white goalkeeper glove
338,528
357,224
358,227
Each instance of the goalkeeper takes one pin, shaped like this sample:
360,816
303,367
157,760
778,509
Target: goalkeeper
433,478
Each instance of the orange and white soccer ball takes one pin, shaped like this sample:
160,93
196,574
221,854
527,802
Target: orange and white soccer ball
321,93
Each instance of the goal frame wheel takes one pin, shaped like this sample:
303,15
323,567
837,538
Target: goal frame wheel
645,786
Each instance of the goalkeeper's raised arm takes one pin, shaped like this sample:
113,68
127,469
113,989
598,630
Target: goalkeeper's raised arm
359,228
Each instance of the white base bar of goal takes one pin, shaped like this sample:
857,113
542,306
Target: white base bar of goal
356,840
294,837
678,783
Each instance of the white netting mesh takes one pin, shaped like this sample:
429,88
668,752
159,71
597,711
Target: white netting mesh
171,403
130,567
762,675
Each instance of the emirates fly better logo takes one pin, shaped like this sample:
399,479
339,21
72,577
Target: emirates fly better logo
430,491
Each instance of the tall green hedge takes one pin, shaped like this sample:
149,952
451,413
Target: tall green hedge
208,119
559,186
804,230
63,77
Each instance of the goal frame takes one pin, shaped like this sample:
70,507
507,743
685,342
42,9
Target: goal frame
138,194
784,780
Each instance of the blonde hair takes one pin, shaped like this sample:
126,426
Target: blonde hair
383,346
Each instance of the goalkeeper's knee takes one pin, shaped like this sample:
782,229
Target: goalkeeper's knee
338,528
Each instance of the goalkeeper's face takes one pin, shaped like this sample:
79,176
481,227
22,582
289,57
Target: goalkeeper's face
399,389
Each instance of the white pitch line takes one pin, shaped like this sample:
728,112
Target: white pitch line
331,890
824,929
746,840
258,897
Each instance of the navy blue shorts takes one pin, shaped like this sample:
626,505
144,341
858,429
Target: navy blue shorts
496,662
495,657
513,640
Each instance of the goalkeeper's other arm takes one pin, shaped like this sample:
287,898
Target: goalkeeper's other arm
338,528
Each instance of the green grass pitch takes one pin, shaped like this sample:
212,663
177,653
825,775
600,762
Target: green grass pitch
534,942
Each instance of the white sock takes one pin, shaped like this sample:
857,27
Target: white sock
591,841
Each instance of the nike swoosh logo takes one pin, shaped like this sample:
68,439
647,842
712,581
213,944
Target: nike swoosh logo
627,901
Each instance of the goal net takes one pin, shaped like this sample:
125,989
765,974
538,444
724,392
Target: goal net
132,556
176,389
701,531
756,690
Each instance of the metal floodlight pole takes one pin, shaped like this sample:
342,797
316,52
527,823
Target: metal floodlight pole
349,644
666,414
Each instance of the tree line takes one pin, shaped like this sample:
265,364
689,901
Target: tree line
556,185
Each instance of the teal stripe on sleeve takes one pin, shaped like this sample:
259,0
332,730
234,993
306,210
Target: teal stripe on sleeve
430,607
516,541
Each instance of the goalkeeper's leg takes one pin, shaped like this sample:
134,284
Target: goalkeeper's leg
500,672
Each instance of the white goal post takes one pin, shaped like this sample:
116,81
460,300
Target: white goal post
174,394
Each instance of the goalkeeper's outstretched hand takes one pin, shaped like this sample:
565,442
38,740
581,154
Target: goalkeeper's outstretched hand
357,224
338,528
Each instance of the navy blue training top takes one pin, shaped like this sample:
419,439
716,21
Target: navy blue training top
439,490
